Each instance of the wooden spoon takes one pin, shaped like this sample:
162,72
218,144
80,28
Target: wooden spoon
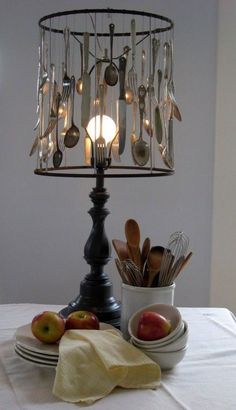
185,262
153,265
145,251
121,249
132,233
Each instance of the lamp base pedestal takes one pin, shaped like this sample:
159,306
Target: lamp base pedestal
96,298
96,288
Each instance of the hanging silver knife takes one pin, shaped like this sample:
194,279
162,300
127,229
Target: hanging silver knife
122,105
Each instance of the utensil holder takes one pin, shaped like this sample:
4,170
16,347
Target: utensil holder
134,298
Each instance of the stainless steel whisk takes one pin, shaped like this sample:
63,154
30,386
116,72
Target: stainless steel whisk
173,258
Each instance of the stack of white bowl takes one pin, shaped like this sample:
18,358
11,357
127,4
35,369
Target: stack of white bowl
169,350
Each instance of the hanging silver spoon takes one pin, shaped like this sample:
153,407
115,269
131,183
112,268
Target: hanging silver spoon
73,133
140,149
111,75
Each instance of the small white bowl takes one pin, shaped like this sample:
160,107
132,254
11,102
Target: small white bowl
170,312
178,344
165,343
167,360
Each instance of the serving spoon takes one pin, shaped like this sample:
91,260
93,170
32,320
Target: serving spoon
111,75
73,133
132,233
153,265
57,156
140,149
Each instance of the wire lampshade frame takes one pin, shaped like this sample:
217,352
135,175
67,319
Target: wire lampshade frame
81,52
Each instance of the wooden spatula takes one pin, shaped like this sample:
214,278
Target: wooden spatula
121,249
132,233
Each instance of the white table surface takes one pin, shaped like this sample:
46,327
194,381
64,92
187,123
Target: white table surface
205,379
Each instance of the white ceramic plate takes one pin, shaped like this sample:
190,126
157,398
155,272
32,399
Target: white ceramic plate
36,355
25,340
33,360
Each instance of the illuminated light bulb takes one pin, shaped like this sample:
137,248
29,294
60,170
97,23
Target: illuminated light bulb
108,128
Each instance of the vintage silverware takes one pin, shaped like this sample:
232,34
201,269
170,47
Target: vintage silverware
122,106
171,88
79,82
129,95
73,133
157,112
111,75
66,82
140,149
168,150
87,149
132,74
44,77
57,156
133,136
86,90
100,142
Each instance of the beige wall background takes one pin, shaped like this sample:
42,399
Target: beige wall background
44,222
223,270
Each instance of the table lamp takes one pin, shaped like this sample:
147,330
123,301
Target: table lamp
105,106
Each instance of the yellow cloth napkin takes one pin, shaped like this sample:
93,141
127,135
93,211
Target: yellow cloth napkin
93,362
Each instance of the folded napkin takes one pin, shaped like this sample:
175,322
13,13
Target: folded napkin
93,362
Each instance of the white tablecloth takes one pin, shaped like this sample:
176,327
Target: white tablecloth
205,379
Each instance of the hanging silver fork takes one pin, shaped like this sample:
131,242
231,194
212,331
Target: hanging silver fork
132,74
66,82
52,104
100,142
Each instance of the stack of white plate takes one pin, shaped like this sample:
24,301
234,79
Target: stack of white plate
28,348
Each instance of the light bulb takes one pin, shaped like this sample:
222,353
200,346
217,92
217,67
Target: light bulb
108,128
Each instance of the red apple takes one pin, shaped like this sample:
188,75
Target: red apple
153,326
48,327
81,319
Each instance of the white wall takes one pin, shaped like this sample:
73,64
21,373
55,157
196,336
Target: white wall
44,222
223,287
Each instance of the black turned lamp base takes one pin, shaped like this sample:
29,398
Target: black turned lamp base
96,288
96,298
